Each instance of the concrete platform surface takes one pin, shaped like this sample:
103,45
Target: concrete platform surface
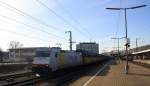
113,75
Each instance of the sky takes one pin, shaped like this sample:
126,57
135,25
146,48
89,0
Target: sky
34,25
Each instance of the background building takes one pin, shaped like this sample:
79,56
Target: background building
90,48
5,57
1,56
23,54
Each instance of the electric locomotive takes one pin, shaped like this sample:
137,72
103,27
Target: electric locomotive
49,60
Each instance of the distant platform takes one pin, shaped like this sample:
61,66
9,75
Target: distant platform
143,61
13,63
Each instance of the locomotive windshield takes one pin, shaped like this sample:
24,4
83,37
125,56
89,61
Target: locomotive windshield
42,54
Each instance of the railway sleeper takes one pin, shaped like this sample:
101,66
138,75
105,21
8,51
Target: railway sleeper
9,79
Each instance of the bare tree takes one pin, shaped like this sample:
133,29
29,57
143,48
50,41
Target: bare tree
15,44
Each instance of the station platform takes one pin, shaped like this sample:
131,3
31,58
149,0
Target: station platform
143,61
114,75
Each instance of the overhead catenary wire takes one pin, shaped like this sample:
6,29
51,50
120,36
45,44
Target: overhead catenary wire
28,36
24,35
118,20
117,24
32,27
31,37
71,16
62,18
28,15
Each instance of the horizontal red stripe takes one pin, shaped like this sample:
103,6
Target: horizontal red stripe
40,65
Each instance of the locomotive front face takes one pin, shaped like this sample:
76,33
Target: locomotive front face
46,61
41,62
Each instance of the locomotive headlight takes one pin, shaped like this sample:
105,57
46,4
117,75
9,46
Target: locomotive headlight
46,65
37,75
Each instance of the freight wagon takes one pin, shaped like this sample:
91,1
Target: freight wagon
50,60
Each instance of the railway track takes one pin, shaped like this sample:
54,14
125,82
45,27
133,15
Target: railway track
29,79
14,75
23,82
14,79
58,81
26,79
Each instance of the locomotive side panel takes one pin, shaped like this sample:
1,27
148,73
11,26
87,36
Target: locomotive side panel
55,59
92,59
50,60
70,58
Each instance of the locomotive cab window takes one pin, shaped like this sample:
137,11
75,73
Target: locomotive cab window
42,53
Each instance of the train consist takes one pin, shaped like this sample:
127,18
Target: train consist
50,60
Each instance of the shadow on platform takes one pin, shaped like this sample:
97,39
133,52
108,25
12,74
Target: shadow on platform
106,70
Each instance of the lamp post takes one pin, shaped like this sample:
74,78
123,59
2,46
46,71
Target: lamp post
70,40
126,30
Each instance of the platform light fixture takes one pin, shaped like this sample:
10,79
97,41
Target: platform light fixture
126,30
